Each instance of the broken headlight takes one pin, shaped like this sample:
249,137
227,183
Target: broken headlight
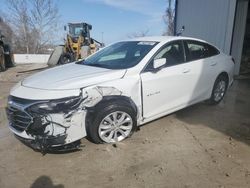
58,105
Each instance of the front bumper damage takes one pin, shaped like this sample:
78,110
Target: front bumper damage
49,125
46,130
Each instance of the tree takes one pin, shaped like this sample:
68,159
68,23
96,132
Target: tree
34,23
20,22
6,31
169,17
44,20
142,33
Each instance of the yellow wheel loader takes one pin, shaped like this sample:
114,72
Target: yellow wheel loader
78,45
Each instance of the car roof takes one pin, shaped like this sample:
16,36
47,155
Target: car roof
164,38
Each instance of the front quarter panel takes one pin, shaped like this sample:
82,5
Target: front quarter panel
127,86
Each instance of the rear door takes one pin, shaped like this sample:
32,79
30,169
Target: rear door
204,63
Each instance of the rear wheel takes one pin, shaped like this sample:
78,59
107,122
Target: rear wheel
219,89
2,59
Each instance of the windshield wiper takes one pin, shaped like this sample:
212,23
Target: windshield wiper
83,62
95,65
80,62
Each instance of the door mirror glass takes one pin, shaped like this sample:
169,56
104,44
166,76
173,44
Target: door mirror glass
158,63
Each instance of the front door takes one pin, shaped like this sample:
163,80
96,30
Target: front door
166,89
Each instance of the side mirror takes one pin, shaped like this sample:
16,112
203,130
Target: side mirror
65,28
158,63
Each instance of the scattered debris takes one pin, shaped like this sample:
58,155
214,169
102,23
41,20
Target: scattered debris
247,173
146,141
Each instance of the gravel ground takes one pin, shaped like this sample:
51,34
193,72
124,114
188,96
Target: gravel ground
200,146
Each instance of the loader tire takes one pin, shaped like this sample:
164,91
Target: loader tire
55,56
66,58
2,59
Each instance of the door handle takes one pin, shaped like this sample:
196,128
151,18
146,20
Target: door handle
186,70
213,64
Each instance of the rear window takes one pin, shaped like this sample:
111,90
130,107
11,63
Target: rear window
212,51
199,50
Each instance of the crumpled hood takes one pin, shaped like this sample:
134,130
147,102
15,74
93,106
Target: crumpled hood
71,76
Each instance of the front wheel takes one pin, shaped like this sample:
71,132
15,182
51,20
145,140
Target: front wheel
112,124
219,90
66,58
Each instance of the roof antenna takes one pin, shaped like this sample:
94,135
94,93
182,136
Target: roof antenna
181,31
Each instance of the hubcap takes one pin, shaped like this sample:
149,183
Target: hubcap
115,127
219,90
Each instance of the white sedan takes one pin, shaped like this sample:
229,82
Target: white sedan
108,95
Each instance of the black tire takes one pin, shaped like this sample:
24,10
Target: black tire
214,99
55,57
9,58
66,58
2,60
101,112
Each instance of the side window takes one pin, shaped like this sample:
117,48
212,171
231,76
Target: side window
173,53
196,50
212,51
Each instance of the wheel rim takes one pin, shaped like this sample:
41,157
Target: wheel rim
115,127
219,90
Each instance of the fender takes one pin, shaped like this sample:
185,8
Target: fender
123,100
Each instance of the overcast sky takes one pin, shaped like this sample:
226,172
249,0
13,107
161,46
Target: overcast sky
115,18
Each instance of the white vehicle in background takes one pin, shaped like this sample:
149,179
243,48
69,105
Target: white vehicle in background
108,95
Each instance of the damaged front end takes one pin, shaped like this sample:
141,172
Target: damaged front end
47,125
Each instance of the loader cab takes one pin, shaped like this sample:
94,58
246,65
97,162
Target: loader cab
79,29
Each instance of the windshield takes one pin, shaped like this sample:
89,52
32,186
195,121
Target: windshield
121,55
76,30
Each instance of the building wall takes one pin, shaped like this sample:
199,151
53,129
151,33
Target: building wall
239,33
31,58
210,20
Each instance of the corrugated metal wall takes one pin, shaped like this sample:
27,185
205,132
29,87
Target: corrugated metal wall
210,20
239,33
